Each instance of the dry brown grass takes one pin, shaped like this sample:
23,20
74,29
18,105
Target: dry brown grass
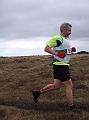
20,75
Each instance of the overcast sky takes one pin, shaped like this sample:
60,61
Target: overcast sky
33,18
22,22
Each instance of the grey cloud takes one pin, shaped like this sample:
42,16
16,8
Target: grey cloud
26,18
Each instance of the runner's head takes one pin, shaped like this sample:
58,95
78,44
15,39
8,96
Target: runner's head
65,29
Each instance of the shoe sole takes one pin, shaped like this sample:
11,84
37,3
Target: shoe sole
34,99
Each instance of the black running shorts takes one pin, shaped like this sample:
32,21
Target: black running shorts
61,72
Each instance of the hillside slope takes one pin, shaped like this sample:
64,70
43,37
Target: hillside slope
20,75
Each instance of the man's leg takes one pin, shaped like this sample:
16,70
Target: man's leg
69,92
56,84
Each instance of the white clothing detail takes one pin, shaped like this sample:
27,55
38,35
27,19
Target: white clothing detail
63,46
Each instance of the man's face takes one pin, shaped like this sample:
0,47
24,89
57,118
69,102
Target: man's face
67,31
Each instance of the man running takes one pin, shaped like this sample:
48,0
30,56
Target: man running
61,50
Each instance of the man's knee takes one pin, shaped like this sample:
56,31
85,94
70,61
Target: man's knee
55,86
68,83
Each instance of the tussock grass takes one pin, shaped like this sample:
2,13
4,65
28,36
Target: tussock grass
20,75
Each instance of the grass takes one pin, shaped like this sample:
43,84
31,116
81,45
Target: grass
20,75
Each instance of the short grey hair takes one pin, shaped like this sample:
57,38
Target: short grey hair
65,25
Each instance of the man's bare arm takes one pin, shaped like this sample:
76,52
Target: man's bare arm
50,50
